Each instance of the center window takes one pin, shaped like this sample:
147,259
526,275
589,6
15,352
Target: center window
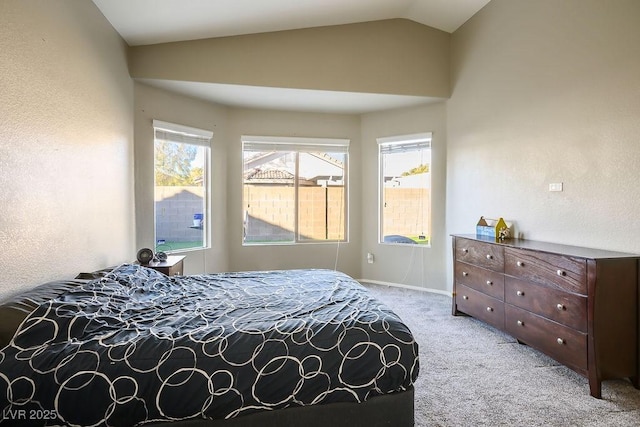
294,190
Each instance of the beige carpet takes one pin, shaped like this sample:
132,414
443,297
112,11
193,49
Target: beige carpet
474,375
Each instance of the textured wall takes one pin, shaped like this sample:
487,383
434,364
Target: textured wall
66,143
395,56
312,255
545,92
412,265
150,104
228,124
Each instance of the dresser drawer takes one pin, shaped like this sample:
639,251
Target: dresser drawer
480,306
565,272
577,305
562,307
564,344
486,281
486,255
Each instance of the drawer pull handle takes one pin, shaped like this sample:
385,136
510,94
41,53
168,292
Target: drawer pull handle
465,297
489,256
520,293
561,273
560,307
520,323
560,341
465,250
465,274
489,309
520,264
489,282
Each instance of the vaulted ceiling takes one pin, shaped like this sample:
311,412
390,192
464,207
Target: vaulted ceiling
156,21
143,22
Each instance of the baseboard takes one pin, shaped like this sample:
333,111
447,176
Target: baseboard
399,285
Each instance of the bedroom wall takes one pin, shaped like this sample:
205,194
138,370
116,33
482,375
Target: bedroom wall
152,103
547,92
228,125
394,56
66,150
421,267
313,255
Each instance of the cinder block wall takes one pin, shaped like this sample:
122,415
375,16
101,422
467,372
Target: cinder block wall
407,211
270,212
175,207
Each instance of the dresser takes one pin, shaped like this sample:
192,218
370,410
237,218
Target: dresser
577,305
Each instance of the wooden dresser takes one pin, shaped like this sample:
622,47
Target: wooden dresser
577,305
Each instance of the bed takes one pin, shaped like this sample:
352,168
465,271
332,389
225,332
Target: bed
136,347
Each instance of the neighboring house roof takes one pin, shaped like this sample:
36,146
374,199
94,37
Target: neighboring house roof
323,167
273,176
269,174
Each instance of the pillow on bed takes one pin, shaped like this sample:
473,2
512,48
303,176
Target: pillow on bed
16,309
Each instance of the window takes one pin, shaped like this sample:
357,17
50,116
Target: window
405,189
294,190
181,186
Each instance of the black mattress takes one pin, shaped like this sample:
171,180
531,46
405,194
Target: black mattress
136,346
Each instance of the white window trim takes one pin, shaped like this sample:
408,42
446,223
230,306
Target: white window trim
415,138
187,130
405,139
269,143
301,144
205,137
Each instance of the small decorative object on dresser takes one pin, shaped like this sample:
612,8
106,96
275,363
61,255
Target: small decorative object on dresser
577,305
497,229
172,266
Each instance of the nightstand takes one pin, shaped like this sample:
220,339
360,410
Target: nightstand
173,266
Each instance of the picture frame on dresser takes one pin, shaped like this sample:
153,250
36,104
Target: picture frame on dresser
577,305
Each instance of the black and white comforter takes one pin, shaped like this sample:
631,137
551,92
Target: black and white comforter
137,346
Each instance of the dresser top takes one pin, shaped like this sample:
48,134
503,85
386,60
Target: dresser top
534,245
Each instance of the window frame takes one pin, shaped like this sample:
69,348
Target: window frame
197,137
298,145
402,140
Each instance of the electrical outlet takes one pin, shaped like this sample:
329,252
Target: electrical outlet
555,186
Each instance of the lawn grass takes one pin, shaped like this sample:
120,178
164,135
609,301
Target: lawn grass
177,246
420,241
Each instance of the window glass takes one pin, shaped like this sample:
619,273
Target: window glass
181,189
293,191
405,189
269,196
321,196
